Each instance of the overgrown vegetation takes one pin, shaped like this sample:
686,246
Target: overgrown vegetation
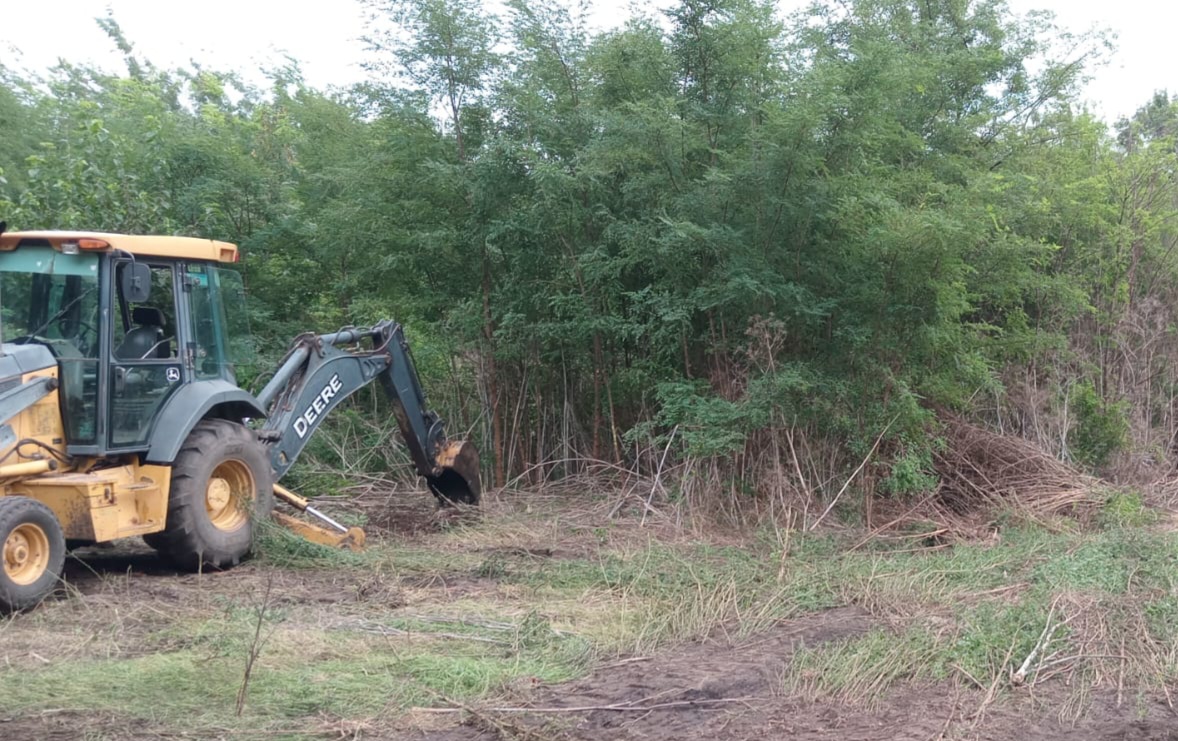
470,616
749,250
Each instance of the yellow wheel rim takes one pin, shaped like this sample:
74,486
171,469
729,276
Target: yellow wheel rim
229,495
26,554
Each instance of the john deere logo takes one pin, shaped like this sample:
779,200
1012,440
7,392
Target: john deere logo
173,375
322,401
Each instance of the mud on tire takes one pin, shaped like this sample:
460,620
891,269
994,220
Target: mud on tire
32,553
221,485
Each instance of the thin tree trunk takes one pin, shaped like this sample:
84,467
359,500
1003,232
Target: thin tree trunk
538,430
615,438
492,381
596,395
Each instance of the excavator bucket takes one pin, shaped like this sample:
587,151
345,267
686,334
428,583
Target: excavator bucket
458,479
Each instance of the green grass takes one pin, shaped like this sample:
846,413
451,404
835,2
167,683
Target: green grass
304,672
863,669
280,547
978,611
474,618
191,689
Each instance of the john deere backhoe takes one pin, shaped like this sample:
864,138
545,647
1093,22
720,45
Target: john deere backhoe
120,413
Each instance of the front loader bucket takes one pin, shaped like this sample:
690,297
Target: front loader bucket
458,479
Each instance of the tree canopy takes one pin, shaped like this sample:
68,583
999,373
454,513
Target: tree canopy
702,232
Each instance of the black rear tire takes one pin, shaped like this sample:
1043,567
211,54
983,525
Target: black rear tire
32,553
222,485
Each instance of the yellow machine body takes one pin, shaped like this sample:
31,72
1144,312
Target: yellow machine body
113,502
103,504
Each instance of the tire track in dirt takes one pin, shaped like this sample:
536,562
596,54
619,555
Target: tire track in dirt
724,691
699,680
713,670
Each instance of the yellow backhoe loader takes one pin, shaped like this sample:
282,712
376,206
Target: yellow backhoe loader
120,413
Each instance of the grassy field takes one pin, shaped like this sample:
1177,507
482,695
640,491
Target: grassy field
540,591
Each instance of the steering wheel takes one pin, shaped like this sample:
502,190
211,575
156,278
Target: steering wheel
84,332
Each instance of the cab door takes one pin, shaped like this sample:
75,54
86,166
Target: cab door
146,364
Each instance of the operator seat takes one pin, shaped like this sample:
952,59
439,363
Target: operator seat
146,337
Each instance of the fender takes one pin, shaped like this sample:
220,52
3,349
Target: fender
189,405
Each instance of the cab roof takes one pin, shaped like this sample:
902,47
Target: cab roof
180,248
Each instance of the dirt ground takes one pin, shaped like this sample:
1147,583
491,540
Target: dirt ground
724,690
719,689
713,690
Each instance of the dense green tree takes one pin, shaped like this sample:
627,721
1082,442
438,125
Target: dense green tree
701,234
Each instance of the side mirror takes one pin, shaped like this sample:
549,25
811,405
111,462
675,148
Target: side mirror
136,282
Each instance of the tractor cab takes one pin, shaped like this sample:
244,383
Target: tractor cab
131,323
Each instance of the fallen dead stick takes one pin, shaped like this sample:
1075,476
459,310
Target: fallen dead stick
475,623
589,708
623,662
851,478
388,631
471,622
1049,664
980,713
887,525
996,590
970,677
1019,677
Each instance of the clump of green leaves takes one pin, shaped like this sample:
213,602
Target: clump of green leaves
1101,427
280,547
912,473
1126,508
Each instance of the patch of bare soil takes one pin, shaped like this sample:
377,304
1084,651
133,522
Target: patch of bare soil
731,691
715,681
943,711
61,725
126,595
396,511
79,725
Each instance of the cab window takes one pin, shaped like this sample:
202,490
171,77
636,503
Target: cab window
146,331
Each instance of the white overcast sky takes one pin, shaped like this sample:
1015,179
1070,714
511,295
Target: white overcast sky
245,35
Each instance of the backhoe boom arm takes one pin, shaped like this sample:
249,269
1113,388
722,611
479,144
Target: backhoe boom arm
320,371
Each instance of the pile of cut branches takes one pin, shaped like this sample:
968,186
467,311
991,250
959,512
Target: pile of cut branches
981,469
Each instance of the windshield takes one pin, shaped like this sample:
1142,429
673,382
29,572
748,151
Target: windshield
50,298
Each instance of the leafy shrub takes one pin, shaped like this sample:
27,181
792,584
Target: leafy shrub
1100,429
